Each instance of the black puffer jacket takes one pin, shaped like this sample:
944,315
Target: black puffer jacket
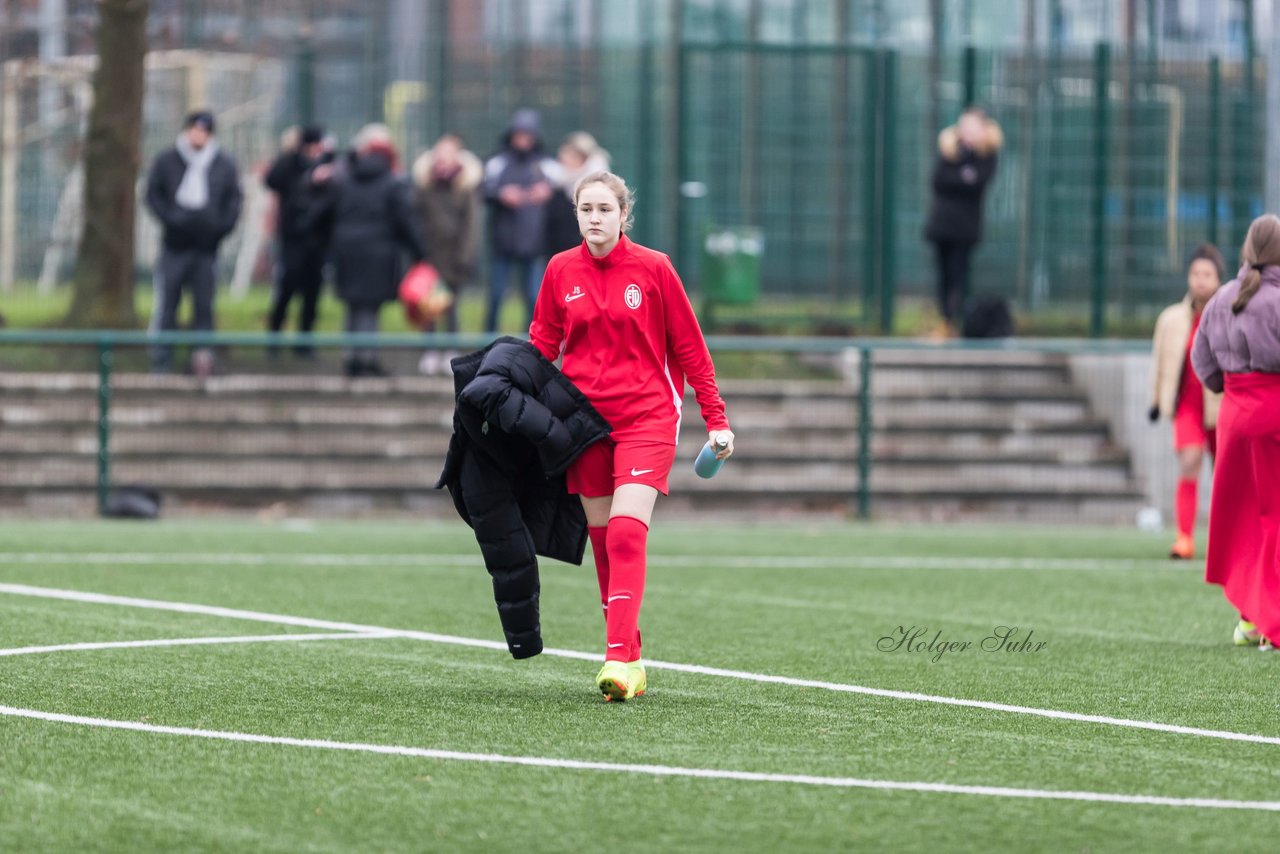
517,425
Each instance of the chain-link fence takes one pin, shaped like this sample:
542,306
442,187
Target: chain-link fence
813,121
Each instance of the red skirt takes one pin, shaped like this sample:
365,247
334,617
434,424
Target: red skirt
1244,520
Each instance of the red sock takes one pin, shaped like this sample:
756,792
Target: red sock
597,536
601,554
626,547
1185,505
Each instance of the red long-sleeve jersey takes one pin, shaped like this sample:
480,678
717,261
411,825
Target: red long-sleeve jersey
629,338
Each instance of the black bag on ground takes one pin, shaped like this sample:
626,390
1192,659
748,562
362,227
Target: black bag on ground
987,317
133,502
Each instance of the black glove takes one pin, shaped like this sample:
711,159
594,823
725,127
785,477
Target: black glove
1153,414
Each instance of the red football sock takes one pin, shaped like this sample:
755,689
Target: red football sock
1185,505
601,554
626,547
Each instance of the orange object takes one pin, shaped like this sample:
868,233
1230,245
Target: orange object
423,295
1183,548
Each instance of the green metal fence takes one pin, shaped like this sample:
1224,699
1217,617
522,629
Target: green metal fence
812,121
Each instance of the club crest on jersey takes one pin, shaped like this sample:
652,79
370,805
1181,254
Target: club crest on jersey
632,295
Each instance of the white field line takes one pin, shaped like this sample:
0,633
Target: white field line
652,770
283,619
256,616
863,562
207,641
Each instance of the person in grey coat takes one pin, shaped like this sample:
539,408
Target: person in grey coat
193,189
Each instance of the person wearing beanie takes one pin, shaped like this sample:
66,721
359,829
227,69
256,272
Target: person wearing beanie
193,190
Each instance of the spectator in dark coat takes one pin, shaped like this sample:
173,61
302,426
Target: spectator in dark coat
193,189
579,155
300,253
517,188
967,154
367,211
446,194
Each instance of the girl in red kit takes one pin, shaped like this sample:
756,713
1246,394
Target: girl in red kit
1176,392
617,316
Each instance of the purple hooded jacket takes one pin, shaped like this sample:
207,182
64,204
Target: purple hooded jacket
1239,343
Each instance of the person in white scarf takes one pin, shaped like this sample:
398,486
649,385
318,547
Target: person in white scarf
198,151
193,189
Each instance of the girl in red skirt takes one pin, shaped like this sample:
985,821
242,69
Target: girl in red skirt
1237,349
1176,392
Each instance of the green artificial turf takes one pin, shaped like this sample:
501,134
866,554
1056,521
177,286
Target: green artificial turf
1125,634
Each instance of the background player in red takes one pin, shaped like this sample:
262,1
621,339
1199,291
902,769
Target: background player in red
617,315
1176,391
1238,348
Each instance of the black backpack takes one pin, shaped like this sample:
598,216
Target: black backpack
987,317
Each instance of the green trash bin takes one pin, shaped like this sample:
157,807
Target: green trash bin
731,264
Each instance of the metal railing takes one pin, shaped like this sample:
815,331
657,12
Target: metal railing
860,357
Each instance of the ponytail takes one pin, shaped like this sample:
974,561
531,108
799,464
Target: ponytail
1248,287
1261,250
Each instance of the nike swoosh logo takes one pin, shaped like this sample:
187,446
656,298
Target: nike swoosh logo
614,645
638,472
572,297
620,596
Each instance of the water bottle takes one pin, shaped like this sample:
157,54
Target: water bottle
706,465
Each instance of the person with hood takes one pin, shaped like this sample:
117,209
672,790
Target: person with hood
300,265
967,153
579,155
1176,392
367,212
517,188
446,180
193,189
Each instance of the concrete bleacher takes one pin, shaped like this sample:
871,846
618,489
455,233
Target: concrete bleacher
956,435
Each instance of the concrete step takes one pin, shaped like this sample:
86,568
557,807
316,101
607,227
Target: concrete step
888,382
186,413
950,385
216,447
1037,508
955,435
193,473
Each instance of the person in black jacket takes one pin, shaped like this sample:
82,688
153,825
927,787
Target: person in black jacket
300,255
578,156
517,187
193,189
517,426
967,154
368,213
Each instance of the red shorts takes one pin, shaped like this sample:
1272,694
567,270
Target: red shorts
606,465
1189,430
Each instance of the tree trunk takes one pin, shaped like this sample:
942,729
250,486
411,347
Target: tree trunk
104,266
